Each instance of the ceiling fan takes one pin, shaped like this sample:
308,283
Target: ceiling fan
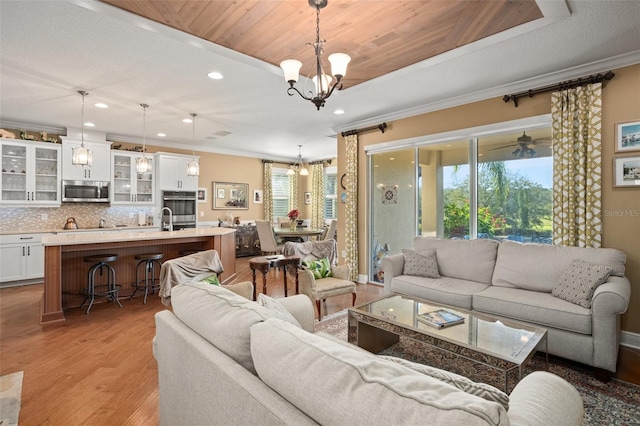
524,146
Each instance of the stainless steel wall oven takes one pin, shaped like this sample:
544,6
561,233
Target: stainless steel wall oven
183,209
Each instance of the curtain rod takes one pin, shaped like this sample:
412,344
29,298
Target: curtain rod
311,163
380,127
569,84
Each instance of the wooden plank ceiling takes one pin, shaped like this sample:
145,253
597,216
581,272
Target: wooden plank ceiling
380,36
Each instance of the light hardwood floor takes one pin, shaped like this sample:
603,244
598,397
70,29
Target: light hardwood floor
99,368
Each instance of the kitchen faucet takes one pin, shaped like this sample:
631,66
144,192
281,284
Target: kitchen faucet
170,218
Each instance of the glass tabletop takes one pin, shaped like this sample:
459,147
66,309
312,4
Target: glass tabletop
297,231
508,340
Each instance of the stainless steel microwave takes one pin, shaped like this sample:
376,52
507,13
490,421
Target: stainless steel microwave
81,191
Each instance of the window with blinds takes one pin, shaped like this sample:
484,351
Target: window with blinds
280,192
331,193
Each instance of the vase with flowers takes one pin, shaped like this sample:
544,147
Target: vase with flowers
293,217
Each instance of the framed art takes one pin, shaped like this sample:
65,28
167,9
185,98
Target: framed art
307,198
202,195
628,136
257,196
626,171
231,196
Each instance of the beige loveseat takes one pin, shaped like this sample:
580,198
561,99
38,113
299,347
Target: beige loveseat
516,280
225,360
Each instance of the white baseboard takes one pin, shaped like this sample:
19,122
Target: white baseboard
362,279
629,339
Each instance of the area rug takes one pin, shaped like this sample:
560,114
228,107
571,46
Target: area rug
10,397
612,403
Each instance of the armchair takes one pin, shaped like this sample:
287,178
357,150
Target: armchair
320,289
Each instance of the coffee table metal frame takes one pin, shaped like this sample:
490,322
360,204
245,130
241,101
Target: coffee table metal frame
378,331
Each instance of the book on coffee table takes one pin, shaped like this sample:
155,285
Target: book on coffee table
440,318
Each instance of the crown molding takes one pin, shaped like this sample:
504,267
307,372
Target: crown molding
613,63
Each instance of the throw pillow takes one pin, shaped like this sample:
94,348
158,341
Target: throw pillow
213,279
421,263
320,268
276,308
482,390
579,281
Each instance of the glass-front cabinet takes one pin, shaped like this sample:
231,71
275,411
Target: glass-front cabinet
30,173
129,186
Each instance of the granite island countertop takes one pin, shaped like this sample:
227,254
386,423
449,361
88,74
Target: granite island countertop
77,238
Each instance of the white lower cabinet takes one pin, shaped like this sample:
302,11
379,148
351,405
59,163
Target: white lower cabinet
21,257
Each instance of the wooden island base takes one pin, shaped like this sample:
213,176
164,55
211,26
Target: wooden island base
66,273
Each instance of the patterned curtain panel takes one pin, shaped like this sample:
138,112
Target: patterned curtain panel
351,208
317,195
293,191
267,196
577,172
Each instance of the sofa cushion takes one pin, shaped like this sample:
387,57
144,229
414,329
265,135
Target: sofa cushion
534,307
219,316
538,266
449,291
277,309
420,263
579,281
472,260
361,389
482,390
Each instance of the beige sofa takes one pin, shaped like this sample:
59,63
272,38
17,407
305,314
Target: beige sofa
515,280
225,360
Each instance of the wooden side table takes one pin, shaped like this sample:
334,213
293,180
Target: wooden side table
264,263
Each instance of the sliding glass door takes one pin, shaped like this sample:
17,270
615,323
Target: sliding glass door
392,205
494,186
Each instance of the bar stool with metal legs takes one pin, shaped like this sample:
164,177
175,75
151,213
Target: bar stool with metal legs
150,281
109,289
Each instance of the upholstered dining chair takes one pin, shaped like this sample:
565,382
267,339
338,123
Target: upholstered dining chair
268,244
331,231
319,289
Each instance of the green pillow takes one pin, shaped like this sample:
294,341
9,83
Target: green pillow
213,279
320,268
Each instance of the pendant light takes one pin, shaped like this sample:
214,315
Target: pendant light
143,164
298,166
193,167
82,156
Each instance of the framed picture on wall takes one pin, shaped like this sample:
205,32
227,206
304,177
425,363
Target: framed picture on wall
307,198
628,136
257,196
202,195
626,171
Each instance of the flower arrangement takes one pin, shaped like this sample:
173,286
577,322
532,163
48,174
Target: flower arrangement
293,214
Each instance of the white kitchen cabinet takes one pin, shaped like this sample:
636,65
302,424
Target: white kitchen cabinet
30,173
171,170
21,257
128,187
100,169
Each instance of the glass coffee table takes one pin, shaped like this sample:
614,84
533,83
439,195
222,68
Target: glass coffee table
503,345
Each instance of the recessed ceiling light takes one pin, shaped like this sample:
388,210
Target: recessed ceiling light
162,135
187,120
215,75
338,111
392,158
89,124
101,105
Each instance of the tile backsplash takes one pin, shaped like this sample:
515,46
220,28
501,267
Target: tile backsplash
87,215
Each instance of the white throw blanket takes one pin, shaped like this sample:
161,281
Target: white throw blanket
315,249
181,269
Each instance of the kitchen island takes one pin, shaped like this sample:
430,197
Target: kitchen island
65,272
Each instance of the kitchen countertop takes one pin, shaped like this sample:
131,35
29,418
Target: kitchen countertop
62,231
78,238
